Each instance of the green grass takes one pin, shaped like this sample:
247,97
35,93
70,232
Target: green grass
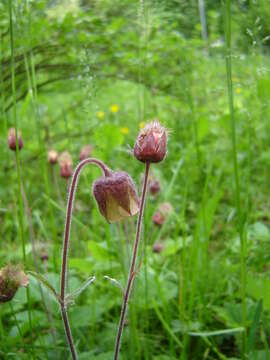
211,281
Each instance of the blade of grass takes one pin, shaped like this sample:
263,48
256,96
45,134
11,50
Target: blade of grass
237,190
19,195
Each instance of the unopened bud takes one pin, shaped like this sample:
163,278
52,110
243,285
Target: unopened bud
151,143
66,165
12,139
158,218
116,196
11,278
52,156
154,187
157,247
44,256
86,152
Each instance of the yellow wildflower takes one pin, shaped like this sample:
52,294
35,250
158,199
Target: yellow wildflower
142,125
238,90
100,114
124,130
114,108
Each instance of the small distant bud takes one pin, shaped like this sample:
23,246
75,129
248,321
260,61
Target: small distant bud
116,196
154,187
158,218
86,152
11,278
44,256
164,211
157,247
151,143
12,139
66,165
52,156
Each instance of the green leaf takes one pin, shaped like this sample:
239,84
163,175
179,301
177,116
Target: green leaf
259,288
45,283
254,327
98,250
217,332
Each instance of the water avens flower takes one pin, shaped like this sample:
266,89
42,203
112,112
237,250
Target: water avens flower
151,143
11,278
52,156
157,247
12,139
154,187
116,196
66,165
158,218
86,151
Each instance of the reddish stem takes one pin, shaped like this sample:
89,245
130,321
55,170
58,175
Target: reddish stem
70,202
132,274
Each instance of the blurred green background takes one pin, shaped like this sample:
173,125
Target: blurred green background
94,72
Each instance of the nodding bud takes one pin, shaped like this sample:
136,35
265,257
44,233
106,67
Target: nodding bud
12,139
154,187
11,278
66,165
116,196
164,211
86,152
158,218
151,143
52,156
44,256
157,247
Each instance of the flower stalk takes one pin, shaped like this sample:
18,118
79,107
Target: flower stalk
132,271
70,202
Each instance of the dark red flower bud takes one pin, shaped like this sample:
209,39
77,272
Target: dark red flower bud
12,139
86,152
116,196
157,247
151,143
44,256
11,278
66,165
154,187
158,218
52,156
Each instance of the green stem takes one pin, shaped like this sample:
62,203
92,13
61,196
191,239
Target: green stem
236,171
20,199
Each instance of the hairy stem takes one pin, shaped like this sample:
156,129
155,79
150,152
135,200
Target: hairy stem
71,197
132,271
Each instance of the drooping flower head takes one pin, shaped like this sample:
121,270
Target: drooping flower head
151,143
116,196
66,165
11,278
12,139
52,156
154,187
86,152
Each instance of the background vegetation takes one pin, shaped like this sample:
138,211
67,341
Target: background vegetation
91,72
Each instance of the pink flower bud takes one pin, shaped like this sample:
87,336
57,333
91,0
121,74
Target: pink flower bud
12,139
52,156
116,196
11,278
154,187
66,165
86,152
151,143
157,247
158,218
